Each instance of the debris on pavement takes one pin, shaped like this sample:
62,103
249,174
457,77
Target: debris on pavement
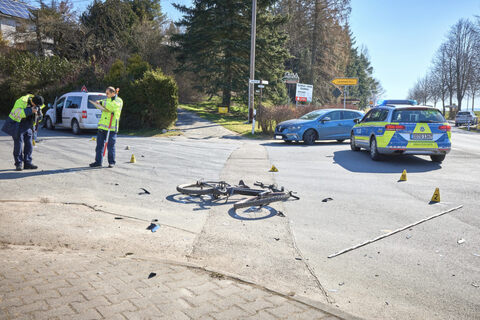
217,275
118,218
333,290
153,227
128,253
291,294
386,302
476,285
299,259
127,148
145,191
460,241
341,284
273,169
280,214
151,275
408,236
327,199
276,239
155,220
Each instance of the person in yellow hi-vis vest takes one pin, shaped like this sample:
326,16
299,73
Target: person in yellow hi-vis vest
19,125
107,127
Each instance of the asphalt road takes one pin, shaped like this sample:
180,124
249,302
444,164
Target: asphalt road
422,273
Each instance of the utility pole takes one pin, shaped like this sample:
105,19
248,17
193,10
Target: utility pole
251,86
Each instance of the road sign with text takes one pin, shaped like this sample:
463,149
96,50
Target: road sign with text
345,81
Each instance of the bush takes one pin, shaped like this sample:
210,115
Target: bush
151,102
269,117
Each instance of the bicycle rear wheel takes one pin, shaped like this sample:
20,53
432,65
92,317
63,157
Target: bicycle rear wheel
196,189
261,200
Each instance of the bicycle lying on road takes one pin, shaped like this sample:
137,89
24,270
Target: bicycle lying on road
263,196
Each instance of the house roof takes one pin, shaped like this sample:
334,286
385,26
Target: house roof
15,9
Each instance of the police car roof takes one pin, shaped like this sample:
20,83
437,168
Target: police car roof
402,106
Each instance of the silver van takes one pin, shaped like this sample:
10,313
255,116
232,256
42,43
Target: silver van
72,110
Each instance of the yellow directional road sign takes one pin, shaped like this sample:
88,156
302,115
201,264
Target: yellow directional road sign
345,81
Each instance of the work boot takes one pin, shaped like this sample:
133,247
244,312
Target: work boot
111,165
18,167
30,166
95,165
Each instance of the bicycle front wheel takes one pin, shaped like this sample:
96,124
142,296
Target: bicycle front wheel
195,189
261,200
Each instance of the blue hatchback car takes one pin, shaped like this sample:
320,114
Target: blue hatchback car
323,124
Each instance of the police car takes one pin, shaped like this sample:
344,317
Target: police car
402,127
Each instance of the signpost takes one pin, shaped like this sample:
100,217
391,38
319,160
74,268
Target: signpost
345,82
304,92
261,85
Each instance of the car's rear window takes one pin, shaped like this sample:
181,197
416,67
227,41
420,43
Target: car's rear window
463,114
417,115
95,98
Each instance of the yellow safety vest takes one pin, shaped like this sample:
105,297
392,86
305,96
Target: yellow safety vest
112,105
18,110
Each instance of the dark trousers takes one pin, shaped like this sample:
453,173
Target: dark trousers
23,141
101,137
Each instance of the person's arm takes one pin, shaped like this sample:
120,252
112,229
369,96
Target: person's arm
97,105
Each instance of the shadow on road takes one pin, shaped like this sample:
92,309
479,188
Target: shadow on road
253,213
202,202
11,174
361,162
280,144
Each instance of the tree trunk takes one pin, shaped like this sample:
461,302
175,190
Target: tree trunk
314,41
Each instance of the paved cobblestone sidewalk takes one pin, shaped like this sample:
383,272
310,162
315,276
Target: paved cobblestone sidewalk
38,283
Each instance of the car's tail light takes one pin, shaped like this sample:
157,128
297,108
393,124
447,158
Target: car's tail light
394,127
84,114
445,128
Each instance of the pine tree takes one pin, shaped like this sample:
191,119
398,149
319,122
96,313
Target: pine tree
359,66
216,46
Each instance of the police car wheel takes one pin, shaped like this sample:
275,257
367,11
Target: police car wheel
75,127
373,150
352,143
437,157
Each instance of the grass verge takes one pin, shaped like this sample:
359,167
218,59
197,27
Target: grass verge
233,121
150,133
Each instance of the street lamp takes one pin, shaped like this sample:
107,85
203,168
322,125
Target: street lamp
252,61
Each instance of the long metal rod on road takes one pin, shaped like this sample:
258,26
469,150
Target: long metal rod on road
393,232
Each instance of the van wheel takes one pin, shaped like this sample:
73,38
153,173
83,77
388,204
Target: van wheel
373,150
75,127
309,137
49,124
437,157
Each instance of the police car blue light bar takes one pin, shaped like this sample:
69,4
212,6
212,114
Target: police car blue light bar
408,102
